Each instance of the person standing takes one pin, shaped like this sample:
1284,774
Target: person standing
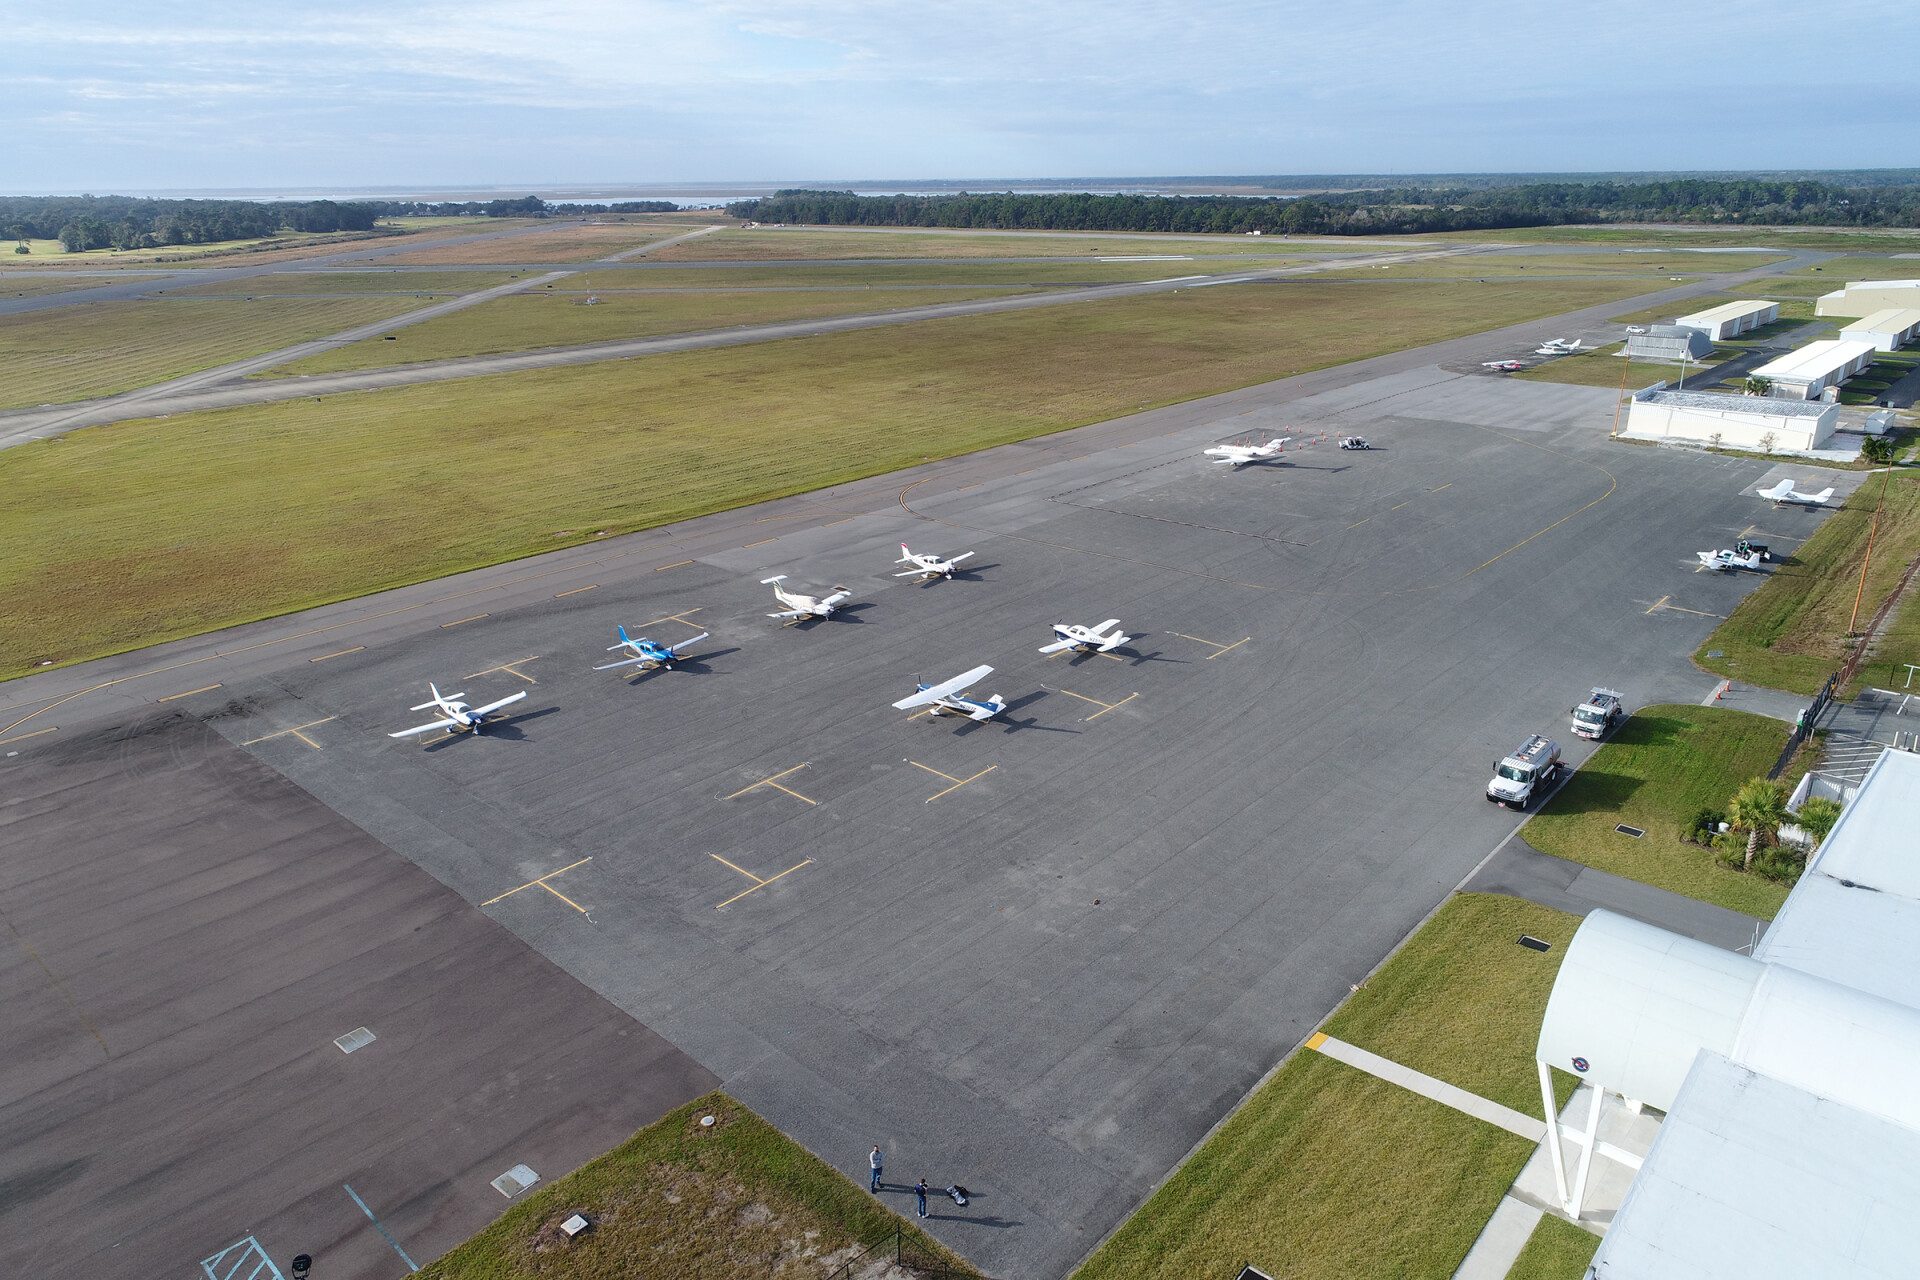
920,1190
877,1161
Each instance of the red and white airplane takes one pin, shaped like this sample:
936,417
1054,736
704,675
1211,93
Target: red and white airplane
1239,455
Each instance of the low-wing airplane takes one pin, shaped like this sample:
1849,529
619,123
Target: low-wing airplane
1557,347
1784,492
799,606
456,715
1727,560
1504,366
1239,455
647,653
951,695
1086,638
928,567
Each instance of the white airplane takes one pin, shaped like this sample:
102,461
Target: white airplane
1784,492
1557,347
648,653
927,567
951,695
1727,560
799,606
1239,455
1086,638
457,715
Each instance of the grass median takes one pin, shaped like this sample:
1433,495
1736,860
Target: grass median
685,1201
125,535
1790,634
1329,1172
1557,1250
1661,767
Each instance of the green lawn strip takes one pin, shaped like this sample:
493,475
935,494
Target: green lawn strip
1661,767
523,322
1557,1250
1897,645
125,535
1789,633
1795,287
976,271
99,348
1329,1172
1603,367
1478,265
764,245
1863,269
332,282
1815,239
1792,314
680,1201
37,286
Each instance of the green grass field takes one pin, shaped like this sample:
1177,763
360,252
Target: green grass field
1789,633
1846,269
250,512
766,245
680,1201
1818,239
559,245
1557,1250
962,271
401,283
1659,769
1474,266
96,349
1603,367
38,286
1330,1173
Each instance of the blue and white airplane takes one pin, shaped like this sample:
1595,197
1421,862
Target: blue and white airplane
647,653
951,695
1095,639
457,716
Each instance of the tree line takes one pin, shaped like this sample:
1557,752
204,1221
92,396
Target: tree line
1399,211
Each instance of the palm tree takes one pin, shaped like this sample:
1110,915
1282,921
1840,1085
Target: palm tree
1759,807
1816,817
1877,449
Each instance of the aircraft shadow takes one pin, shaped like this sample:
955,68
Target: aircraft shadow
1156,656
506,729
1014,726
841,613
696,663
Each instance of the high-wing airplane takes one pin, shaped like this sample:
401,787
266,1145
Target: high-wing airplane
1726,560
647,653
1504,366
1239,455
1557,347
951,695
1784,492
799,606
456,715
1086,638
927,567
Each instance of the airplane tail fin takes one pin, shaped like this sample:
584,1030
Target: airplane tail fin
1822,496
1776,493
906,556
623,633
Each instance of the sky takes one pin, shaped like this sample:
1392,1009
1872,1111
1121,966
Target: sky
131,97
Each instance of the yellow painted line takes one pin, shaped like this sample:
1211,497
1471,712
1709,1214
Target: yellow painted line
23,737
763,542
1225,647
758,883
576,591
1123,702
343,653
1357,523
542,883
475,618
295,731
1401,505
1105,706
848,520
507,666
675,565
1698,613
774,782
1317,1039
964,488
1657,603
1027,472
188,694
1449,485
1218,647
957,782
680,617
930,769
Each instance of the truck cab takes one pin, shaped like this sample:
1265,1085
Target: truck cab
1530,771
1600,714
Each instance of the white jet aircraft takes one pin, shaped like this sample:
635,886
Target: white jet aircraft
1727,560
927,567
951,695
648,653
457,715
1784,492
1239,455
1086,638
799,606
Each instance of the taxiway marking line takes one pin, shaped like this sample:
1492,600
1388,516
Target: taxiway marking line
1701,613
675,565
576,591
957,782
1401,505
1357,523
295,731
1218,647
475,618
1105,706
343,653
23,737
774,782
1123,702
680,617
763,542
188,694
848,520
542,883
1657,603
507,666
1447,485
758,883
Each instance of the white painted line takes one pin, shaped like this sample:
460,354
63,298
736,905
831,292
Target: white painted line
1528,1127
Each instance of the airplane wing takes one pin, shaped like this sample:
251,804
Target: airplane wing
1058,645
1776,493
791,613
836,598
1110,622
911,573
477,712
962,556
947,688
687,644
425,728
624,662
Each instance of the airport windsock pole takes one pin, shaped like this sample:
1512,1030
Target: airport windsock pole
1623,395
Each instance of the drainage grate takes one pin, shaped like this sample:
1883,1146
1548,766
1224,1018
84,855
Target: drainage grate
358,1038
1532,943
515,1180
1625,830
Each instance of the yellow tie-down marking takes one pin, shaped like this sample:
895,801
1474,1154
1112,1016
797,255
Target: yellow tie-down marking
1076,651
774,782
1661,603
758,883
1104,706
513,666
542,883
957,782
296,731
1218,648
680,617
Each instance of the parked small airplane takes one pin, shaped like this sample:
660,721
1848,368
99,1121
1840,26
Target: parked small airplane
951,695
928,567
799,606
1557,347
1784,492
1239,455
1086,638
458,716
1727,560
1504,366
647,653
